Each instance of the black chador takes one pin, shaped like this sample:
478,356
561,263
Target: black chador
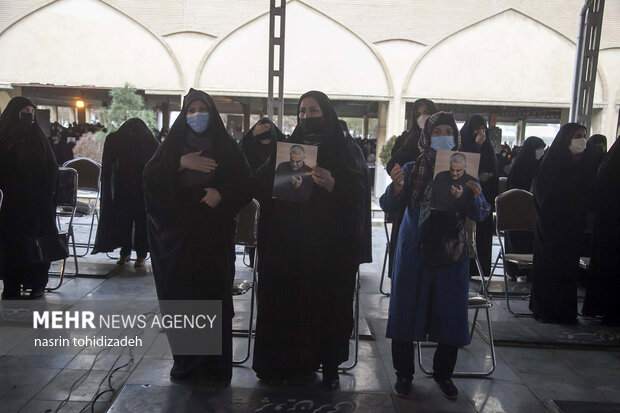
192,243
603,287
310,257
125,153
562,192
489,180
28,180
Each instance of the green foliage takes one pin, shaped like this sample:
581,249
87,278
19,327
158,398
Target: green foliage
126,104
386,151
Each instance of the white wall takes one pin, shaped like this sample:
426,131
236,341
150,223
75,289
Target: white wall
85,42
320,54
508,58
189,48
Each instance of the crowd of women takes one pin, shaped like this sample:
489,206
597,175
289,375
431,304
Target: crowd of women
179,200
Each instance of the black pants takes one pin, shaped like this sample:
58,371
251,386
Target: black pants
135,233
403,359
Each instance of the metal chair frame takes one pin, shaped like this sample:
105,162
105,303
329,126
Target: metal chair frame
500,230
386,255
477,303
87,192
69,232
356,325
251,242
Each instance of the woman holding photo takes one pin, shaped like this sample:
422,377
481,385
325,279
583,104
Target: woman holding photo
429,293
310,258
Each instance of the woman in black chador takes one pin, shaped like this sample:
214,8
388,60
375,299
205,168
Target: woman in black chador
597,147
125,153
259,146
194,186
28,179
603,282
521,175
474,138
562,192
405,150
310,257
526,163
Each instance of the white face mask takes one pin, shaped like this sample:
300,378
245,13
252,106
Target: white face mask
539,153
577,146
422,120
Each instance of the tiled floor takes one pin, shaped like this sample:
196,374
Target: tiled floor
524,379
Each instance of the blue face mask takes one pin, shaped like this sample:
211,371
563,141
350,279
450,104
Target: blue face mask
442,143
199,121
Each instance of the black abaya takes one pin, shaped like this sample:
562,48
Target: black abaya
562,189
521,175
28,180
405,150
311,254
603,282
125,153
191,243
261,158
488,165
365,237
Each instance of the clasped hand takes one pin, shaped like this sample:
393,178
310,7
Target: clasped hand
323,177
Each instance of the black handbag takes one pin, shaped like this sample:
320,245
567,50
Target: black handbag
443,241
48,248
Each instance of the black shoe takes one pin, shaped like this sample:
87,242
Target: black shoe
37,293
448,389
330,377
402,387
331,384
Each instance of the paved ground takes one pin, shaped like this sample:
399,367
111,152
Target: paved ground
525,380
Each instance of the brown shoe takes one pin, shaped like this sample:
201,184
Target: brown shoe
139,262
123,259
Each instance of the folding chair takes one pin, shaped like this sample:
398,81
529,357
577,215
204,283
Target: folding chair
386,220
89,188
514,211
247,232
356,324
477,301
502,186
66,205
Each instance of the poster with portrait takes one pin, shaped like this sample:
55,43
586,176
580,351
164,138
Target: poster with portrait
452,172
293,175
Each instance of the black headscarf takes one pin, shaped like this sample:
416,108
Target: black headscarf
596,154
525,164
405,147
137,146
41,152
335,155
257,153
28,174
165,163
488,160
551,176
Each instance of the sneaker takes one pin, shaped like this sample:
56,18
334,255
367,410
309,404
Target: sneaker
448,389
139,262
402,387
123,259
